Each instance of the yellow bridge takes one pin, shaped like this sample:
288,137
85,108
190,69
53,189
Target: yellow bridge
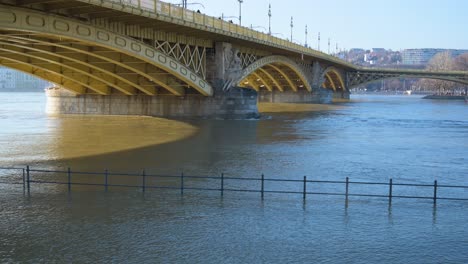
169,57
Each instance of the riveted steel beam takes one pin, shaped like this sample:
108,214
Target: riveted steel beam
264,82
81,63
59,27
285,75
113,58
272,78
97,82
283,61
74,85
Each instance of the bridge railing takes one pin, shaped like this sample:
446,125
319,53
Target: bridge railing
224,183
172,11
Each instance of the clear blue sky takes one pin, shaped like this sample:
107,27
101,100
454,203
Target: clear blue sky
395,24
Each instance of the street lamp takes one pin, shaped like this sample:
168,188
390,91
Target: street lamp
318,45
305,37
240,12
280,34
292,25
269,19
328,45
254,27
185,4
228,17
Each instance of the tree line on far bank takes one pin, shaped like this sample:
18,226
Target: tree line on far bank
445,62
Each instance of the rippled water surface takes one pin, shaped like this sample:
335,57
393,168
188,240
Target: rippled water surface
372,138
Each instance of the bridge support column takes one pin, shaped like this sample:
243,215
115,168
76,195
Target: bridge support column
237,103
318,96
340,96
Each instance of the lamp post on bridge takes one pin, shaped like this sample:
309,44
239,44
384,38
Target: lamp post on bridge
305,37
240,12
185,4
328,46
269,19
292,26
252,27
228,17
318,45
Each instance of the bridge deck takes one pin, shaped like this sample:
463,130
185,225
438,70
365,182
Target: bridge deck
167,17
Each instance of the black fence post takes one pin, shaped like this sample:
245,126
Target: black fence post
222,184
69,179
262,186
106,180
435,192
182,183
390,191
304,191
28,179
24,181
143,180
347,188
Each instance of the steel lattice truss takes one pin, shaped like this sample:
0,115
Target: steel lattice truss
362,77
194,57
247,59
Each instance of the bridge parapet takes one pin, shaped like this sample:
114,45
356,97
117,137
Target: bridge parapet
163,11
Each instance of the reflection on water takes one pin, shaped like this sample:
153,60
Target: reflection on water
83,136
373,138
284,108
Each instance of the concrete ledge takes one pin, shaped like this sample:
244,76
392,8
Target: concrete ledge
237,103
299,97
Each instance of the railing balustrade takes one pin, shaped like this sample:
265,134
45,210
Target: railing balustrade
305,187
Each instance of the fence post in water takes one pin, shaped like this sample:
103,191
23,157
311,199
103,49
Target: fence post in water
28,179
347,188
222,184
262,186
143,181
69,179
390,191
106,180
435,192
304,191
24,181
182,183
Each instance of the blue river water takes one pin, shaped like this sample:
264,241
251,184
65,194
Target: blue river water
372,138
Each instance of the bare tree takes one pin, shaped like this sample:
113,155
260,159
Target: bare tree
442,61
461,62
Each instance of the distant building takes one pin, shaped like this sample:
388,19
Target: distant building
18,81
423,56
7,79
378,50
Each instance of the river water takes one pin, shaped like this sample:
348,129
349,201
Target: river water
371,138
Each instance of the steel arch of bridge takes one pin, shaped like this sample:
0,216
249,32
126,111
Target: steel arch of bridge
335,78
87,59
275,71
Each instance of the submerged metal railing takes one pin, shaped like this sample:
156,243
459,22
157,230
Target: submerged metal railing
222,184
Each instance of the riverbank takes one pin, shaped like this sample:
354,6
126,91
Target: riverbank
445,97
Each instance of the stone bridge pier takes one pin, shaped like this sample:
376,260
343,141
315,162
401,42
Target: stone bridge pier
236,91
